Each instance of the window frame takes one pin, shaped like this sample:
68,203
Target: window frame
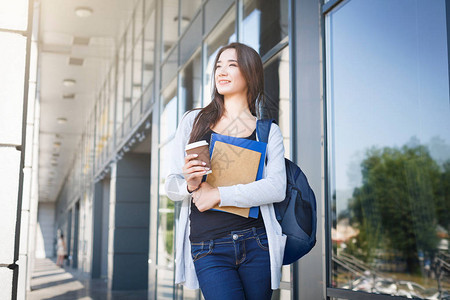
328,7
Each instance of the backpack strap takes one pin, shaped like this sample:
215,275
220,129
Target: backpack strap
263,129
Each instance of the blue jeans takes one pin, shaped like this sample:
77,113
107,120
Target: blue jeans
234,267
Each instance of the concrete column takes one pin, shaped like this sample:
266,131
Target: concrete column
46,234
100,224
75,234
69,236
10,162
310,271
97,230
128,223
14,85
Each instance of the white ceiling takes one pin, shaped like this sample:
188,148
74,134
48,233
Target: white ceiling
58,27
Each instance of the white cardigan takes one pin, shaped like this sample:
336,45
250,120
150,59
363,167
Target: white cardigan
263,193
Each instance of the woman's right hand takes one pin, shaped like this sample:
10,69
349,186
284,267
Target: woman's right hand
193,171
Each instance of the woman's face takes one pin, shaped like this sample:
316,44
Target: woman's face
228,77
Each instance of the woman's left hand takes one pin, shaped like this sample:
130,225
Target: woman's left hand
206,197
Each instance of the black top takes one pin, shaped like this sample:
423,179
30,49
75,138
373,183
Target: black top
212,224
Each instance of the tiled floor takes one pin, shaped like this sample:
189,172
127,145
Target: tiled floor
49,281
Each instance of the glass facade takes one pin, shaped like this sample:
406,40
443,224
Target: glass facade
120,91
149,54
137,86
128,93
389,147
221,36
194,84
169,26
149,40
383,185
191,84
168,119
166,224
188,8
128,84
277,106
264,24
277,94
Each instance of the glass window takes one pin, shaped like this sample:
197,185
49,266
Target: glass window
168,121
389,145
222,35
166,218
149,45
169,25
129,40
191,82
129,47
137,70
98,134
191,40
120,90
170,67
265,24
277,106
112,99
14,14
149,7
104,122
138,19
277,92
100,120
128,87
188,10
147,98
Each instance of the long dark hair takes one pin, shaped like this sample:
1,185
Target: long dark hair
251,67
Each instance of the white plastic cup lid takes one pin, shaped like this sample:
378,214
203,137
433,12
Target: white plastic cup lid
196,144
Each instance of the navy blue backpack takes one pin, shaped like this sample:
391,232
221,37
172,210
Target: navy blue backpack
297,213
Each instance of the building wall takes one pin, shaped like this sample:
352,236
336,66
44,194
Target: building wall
309,136
178,81
302,46
17,135
46,233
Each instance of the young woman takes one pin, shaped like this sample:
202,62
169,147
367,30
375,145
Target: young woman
60,250
228,256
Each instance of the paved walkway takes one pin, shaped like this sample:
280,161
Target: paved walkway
49,281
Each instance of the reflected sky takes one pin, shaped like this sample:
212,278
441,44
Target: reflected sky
251,29
388,81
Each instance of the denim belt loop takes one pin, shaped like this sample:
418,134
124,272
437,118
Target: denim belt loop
254,231
211,244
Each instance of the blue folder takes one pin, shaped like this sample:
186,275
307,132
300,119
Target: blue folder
260,147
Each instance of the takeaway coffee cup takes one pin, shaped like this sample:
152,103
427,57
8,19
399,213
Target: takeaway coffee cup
202,149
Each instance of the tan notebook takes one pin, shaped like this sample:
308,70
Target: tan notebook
232,165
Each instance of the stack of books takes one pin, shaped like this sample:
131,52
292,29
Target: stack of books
236,161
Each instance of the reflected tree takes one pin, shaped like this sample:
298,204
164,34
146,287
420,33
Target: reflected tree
397,208
443,197
169,230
